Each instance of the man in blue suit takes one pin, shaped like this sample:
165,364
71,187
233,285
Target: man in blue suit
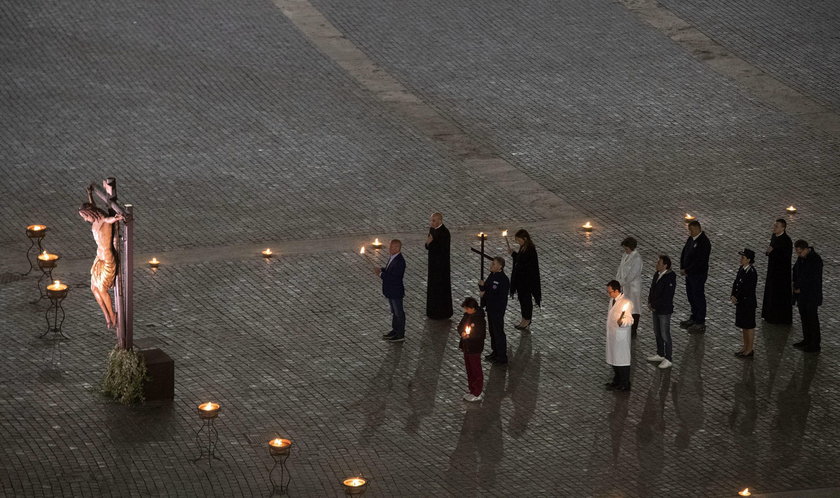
394,290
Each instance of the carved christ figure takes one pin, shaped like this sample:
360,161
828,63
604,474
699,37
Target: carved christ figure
104,269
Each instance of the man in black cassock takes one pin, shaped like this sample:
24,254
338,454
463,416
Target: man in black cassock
439,287
778,301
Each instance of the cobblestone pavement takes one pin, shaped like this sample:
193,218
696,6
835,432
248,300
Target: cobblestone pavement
230,129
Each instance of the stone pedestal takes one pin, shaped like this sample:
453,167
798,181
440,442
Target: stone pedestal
161,370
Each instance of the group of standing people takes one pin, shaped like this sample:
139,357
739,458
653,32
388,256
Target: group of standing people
482,315
783,288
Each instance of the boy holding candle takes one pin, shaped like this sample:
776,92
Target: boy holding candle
473,330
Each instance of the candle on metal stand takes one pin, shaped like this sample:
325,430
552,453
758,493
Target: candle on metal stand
36,231
689,218
791,210
267,253
355,485
376,244
154,263
587,227
745,492
209,410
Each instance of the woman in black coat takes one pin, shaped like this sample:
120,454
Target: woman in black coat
743,296
525,277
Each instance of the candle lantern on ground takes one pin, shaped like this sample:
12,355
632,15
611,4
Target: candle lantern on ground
36,234
46,263
207,413
56,292
355,486
280,449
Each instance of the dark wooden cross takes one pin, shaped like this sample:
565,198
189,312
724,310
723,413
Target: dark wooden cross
483,237
123,242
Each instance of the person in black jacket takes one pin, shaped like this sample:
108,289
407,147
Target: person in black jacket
776,307
694,265
525,277
743,297
661,304
472,331
394,290
807,290
439,284
495,292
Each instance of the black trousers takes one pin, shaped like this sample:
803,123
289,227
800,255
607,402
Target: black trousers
527,304
695,289
498,340
810,325
621,376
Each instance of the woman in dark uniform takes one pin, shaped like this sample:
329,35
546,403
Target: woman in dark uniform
743,296
525,277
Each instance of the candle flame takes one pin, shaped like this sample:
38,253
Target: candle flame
467,330
44,254
504,234
376,242
362,250
745,492
209,406
355,482
587,225
791,208
56,282
267,252
154,261
626,305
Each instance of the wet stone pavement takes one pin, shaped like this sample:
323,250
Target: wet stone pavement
229,130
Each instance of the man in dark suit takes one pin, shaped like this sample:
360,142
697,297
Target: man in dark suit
661,304
807,290
494,290
694,265
394,290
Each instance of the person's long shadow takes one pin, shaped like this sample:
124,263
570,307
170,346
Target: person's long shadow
794,405
423,385
687,392
775,341
617,418
375,401
523,385
650,433
480,445
742,421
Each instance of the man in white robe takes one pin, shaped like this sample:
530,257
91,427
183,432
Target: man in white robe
619,321
629,275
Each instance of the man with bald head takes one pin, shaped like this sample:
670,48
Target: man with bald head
439,283
394,290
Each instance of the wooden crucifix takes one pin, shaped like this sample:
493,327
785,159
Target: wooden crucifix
113,231
483,237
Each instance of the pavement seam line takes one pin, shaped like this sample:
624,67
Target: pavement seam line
752,78
473,155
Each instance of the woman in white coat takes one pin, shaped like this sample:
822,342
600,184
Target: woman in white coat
629,275
619,322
